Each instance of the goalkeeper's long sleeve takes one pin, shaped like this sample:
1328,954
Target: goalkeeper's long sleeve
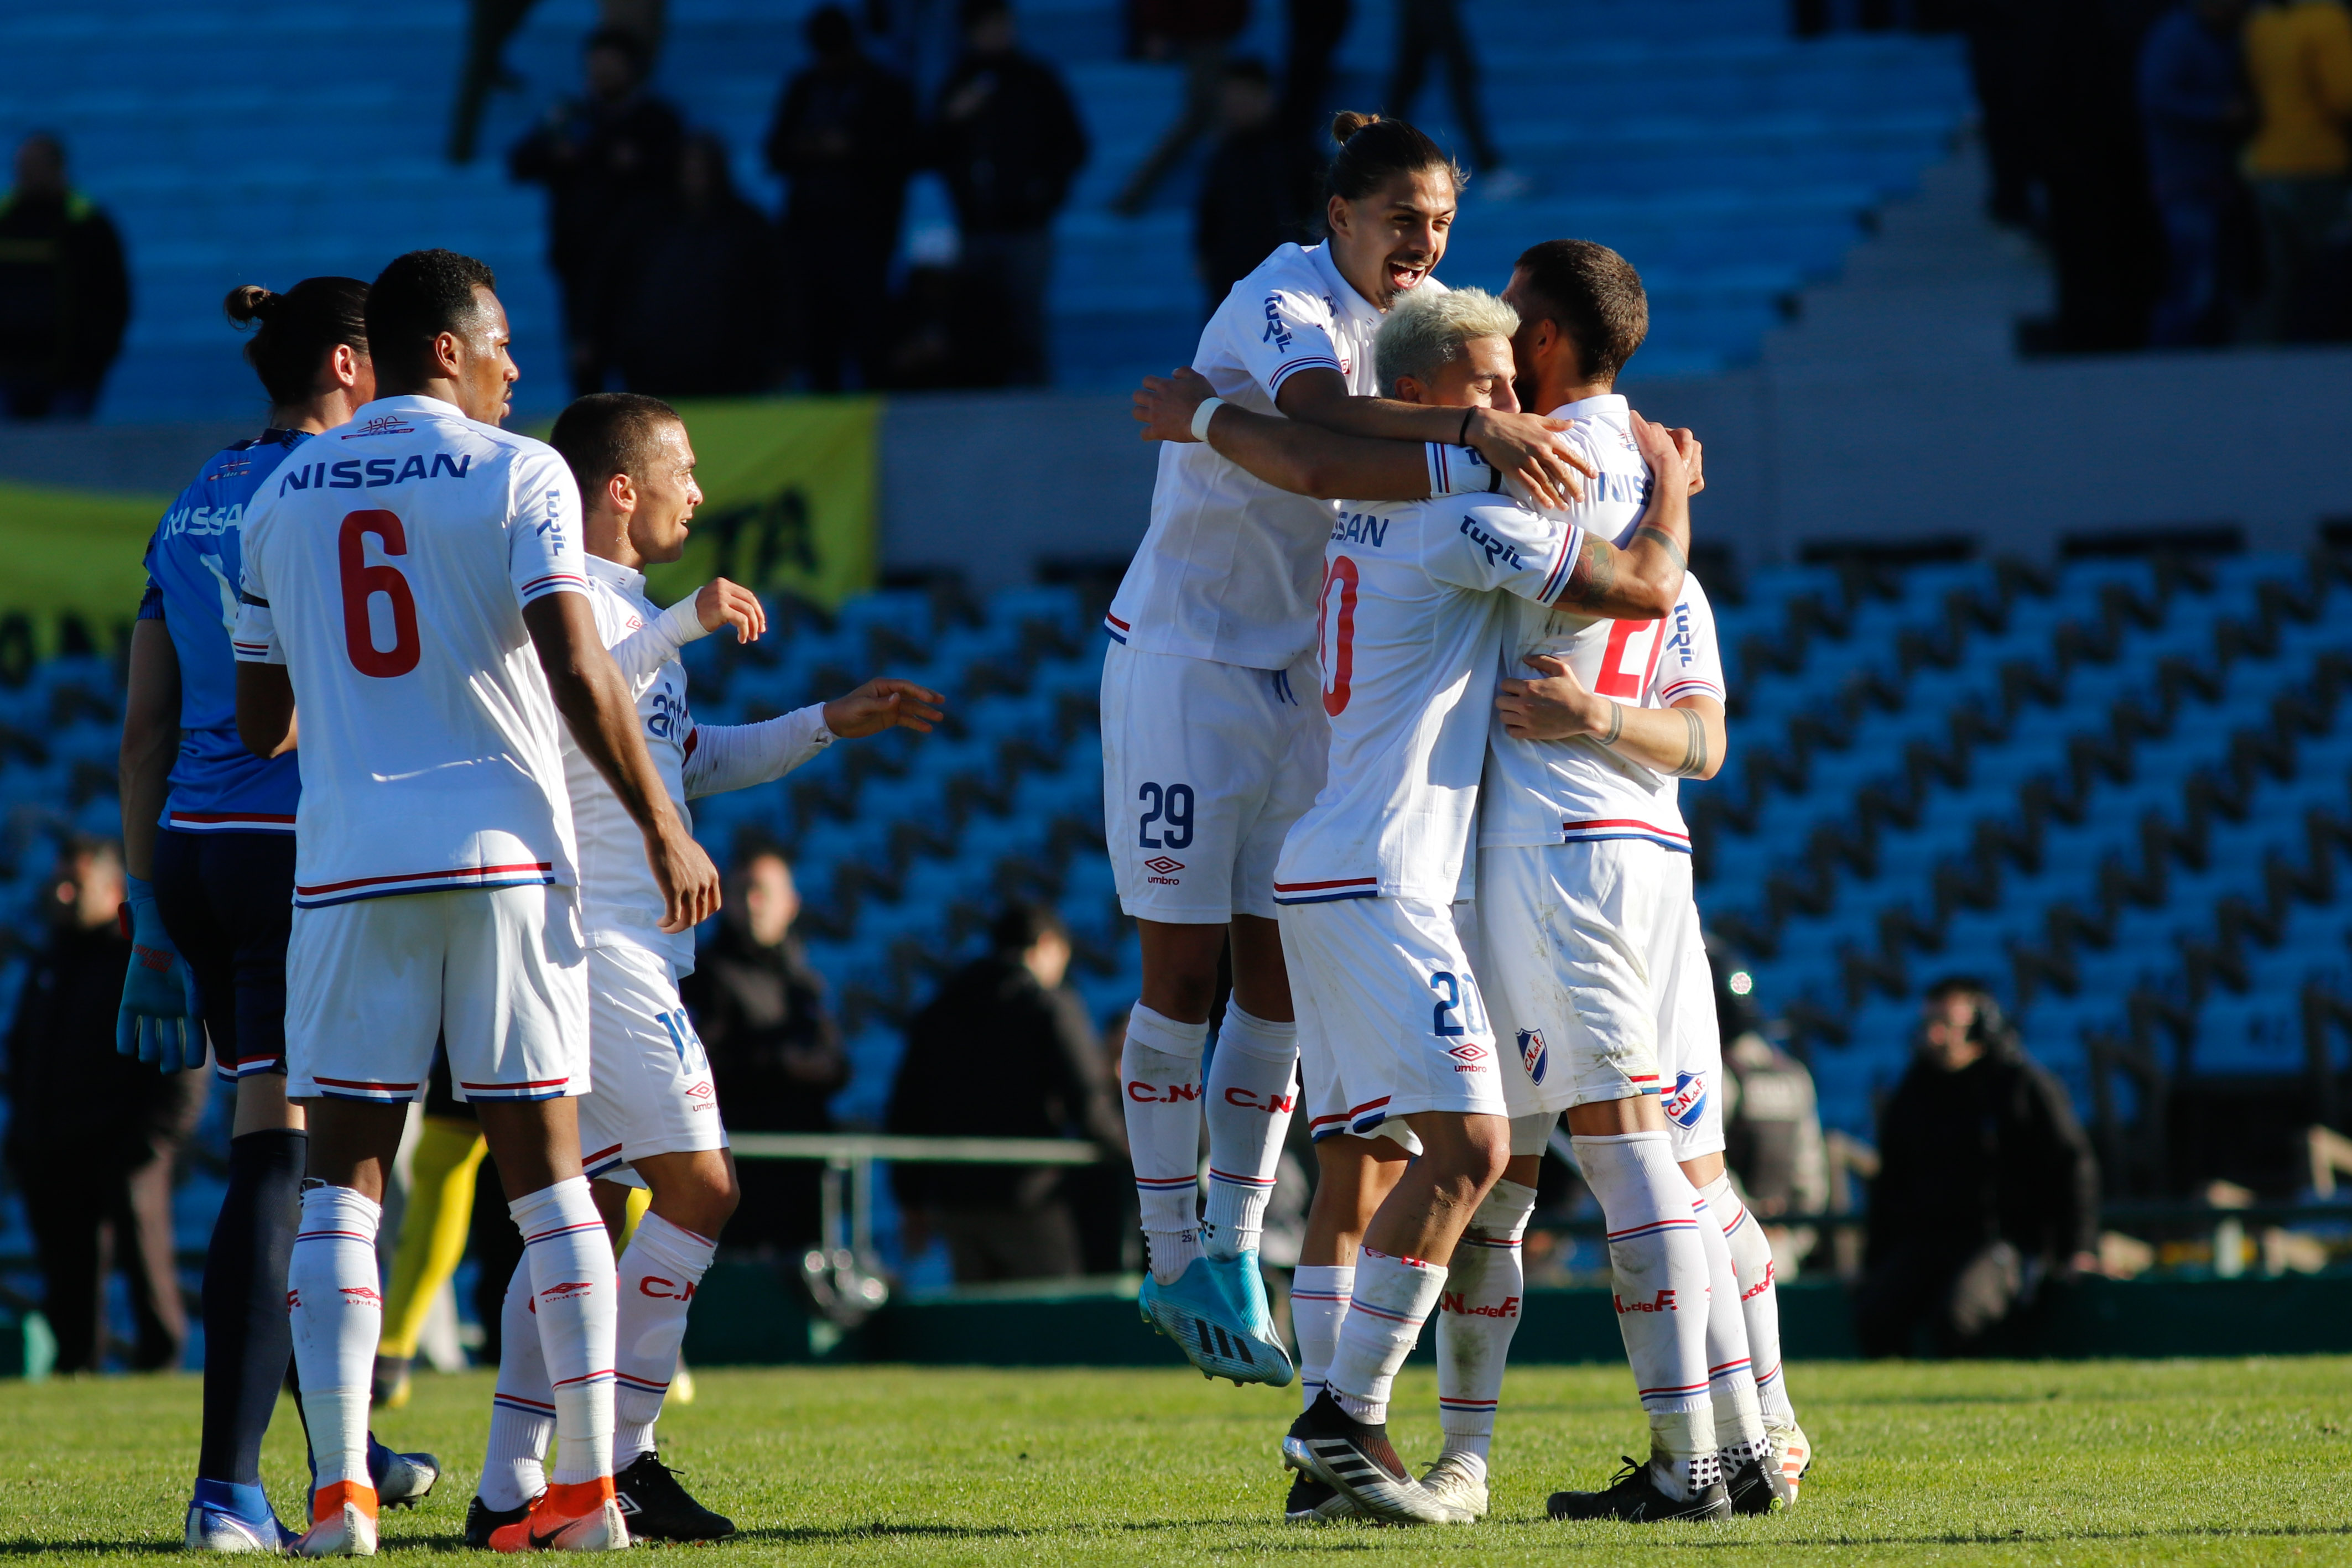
723,757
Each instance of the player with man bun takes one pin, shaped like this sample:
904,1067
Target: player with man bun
209,846
652,1119
1391,1020
1211,746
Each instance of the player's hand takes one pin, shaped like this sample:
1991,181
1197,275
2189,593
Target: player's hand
1165,405
1660,451
724,603
883,704
1693,455
688,881
158,1023
1555,706
1533,451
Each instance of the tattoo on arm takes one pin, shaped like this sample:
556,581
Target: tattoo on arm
1595,575
1616,724
1665,542
1693,761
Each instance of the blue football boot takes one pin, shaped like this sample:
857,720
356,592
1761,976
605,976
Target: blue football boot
225,1517
1216,1313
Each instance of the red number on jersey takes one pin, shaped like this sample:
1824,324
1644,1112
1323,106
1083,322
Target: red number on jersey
1614,679
362,583
1338,635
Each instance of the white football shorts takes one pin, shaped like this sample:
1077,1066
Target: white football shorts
1206,765
1582,947
653,1093
1690,1050
1389,1018
498,973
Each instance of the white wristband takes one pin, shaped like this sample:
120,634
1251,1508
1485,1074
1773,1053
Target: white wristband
1202,414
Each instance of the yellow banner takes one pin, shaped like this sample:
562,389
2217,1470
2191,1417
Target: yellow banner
790,489
73,552
790,499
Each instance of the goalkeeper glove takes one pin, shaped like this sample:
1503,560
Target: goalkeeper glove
158,1023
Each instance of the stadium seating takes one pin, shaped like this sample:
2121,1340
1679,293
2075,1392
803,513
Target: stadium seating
263,142
2118,793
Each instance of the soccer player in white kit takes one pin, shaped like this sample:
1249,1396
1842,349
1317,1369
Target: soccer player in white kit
1586,921
1685,663
414,582
652,1119
1391,618
1211,742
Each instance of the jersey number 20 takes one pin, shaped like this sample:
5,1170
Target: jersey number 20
362,583
1338,634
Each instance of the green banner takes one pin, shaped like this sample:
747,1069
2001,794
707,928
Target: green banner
790,489
73,552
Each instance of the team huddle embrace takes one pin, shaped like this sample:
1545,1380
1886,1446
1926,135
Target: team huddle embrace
480,874
1403,681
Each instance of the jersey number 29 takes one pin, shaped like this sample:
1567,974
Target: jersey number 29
362,583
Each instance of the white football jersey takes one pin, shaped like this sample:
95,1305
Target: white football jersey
1559,791
1415,600
1230,567
619,899
386,566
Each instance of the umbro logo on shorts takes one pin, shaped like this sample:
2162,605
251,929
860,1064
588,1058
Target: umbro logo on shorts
1163,865
1470,1055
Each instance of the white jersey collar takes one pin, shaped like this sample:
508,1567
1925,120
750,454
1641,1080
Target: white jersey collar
408,405
1344,297
628,579
1608,406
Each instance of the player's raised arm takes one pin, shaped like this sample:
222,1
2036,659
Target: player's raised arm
1305,459
724,756
593,699
1528,447
1641,582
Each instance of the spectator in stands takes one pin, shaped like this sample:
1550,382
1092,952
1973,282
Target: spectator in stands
1197,33
2299,54
1004,1050
2193,104
1987,1185
94,1138
776,1057
1316,28
690,305
1431,27
1259,190
1008,142
844,138
1771,1119
601,157
489,23
65,292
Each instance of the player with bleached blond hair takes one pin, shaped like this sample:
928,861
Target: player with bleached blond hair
1399,1054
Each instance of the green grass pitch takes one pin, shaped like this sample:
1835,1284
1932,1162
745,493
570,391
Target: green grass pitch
2082,1463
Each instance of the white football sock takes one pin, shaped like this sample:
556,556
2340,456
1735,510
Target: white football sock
336,1300
1760,1299
1477,1315
1253,1081
522,1410
1392,1299
1319,1305
573,1283
1660,1274
1731,1379
1159,1074
660,1272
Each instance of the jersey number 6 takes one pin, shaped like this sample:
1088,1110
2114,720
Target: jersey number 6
362,583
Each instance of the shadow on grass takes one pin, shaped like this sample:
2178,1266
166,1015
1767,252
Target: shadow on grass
2039,1537
90,1548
